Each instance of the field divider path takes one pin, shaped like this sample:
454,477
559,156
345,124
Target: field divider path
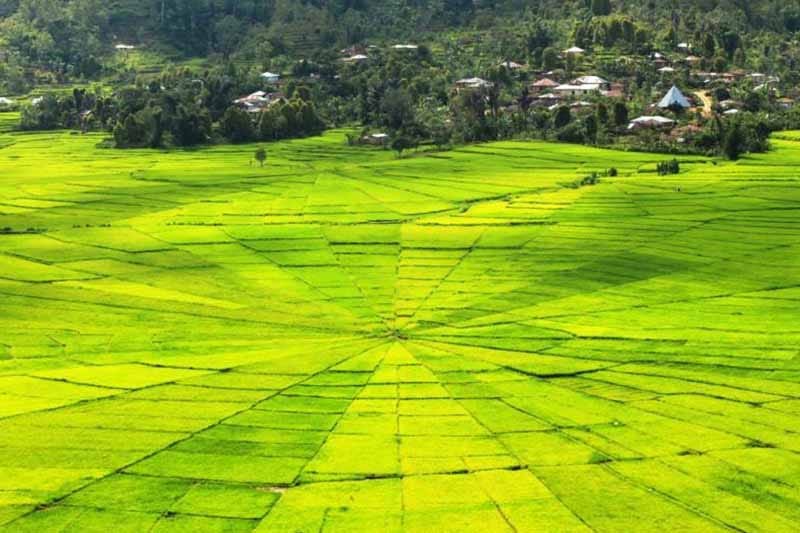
186,438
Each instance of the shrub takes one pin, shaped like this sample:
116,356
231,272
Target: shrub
260,156
562,117
591,179
668,167
572,133
734,143
402,143
237,126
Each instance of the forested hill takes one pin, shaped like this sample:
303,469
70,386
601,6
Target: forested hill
76,31
161,73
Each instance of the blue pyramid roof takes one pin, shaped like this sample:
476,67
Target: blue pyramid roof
674,98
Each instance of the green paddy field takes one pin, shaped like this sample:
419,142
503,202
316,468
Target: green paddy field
344,341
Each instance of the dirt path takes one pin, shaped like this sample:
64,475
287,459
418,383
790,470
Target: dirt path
707,103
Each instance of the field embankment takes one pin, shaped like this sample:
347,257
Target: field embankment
343,340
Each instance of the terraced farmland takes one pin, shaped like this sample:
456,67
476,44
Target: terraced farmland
343,341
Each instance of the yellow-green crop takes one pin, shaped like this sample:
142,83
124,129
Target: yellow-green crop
346,341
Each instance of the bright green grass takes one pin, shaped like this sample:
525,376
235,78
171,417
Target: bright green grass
344,341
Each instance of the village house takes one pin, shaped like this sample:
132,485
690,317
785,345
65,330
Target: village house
571,89
376,139
594,81
354,58
548,99
472,83
512,65
270,77
734,75
581,105
768,84
705,77
545,84
351,51
658,59
617,90
257,101
574,51
651,122
729,104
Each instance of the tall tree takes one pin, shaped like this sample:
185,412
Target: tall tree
601,8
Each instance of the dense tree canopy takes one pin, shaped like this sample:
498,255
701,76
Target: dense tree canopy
76,31
407,92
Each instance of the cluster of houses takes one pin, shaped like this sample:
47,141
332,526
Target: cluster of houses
257,101
579,93
674,100
547,91
550,94
260,100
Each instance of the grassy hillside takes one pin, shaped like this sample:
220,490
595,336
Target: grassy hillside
347,341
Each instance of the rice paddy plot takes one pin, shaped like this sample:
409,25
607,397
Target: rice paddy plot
345,341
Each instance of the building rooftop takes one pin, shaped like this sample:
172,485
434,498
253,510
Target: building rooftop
674,98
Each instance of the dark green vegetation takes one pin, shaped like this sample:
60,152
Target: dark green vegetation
74,31
344,341
186,62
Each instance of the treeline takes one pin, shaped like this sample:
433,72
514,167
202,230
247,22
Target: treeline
407,93
620,31
74,35
473,121
65,38
190,113
408,98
